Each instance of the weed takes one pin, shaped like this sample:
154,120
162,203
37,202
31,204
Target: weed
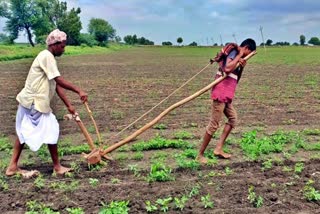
138,156
66,187
93,182
5,144
184,163
310,193
122,157
194,191
35,207
286,169
298,167
4,186
267,164
160,143
206,201
160,126
311,131
115,207
164,203
228,171
183,135
254,147
159,172
115,180
97,167
75,167
150,207
39,182
134,168
116,114
257,201
77,210
180,203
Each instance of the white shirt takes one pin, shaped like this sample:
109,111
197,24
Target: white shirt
40,85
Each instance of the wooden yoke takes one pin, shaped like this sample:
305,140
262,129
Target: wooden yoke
165,112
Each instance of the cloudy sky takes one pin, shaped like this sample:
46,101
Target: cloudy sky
204,21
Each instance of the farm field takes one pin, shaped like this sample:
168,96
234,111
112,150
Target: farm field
275,166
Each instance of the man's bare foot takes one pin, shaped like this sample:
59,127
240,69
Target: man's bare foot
61,170
221,154
201,159
24,173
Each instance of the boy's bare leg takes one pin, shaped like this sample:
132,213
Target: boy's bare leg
13,165
218,151
205,142
57,167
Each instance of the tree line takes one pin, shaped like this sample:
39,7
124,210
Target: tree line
37,18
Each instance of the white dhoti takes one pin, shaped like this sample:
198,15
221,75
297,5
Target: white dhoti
35,128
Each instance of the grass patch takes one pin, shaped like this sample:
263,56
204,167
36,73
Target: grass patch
160,143
23,51
253,147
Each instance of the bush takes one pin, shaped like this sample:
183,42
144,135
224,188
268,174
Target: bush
88,40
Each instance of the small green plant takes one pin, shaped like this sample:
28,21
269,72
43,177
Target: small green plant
35,207
160,126
4,186
206,201
138,156
134,168
75,167
64,186
116,114
257,201
76,210
150,207
39,182
115,207
159,172
298,167
183,135
184,163
160,143
228,171
115,180
267,164
287,169
194,191
310,193
164,203
180,203
93,182
97,167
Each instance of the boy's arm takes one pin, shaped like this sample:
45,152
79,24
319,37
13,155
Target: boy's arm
63,97
69,86
231,64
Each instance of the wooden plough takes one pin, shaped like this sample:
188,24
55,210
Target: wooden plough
95,155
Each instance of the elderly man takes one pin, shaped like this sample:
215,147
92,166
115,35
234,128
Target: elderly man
35,122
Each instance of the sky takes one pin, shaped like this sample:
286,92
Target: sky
204,21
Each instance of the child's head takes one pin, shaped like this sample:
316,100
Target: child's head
249,45
56,42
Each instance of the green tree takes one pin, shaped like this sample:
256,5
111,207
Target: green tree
22,15
314,41
302,40
193,44
55,14
269,42
101,30
179,40
128,40
166,43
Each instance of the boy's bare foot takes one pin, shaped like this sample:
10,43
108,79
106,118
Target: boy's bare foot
61,170
201,159
24,173
221,154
